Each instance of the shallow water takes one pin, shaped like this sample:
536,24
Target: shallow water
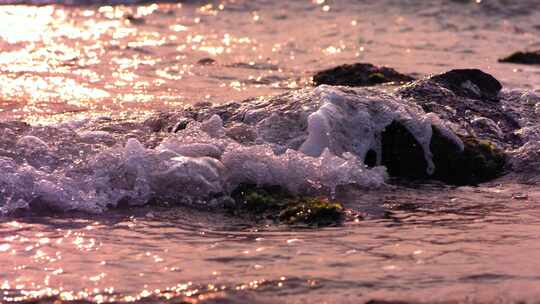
427,243
130,60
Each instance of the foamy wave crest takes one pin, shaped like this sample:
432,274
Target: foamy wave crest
91,166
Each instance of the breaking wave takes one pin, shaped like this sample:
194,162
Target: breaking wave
93,165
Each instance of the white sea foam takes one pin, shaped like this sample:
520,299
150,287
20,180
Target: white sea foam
91,170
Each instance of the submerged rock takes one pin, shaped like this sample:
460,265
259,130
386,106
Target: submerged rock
277,204
314,211
359,74
530,57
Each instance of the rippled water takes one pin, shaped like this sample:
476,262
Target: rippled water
427,243
60,61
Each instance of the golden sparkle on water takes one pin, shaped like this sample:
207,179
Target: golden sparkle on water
133,60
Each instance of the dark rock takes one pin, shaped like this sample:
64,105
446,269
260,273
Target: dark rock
401,153
359,74
371,159
135,20
532,57
471,110
180,125
470,83
206,61
258,200
480,160
388,302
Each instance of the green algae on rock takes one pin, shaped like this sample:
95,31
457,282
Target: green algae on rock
358,75
479,161
315,211
475,162
276,204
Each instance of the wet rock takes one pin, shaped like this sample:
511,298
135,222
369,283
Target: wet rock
359,74
180,125
282,122
531,57
206,61
135,20
316,211
465,98
470,83
276,204
401,153
388,302
479,161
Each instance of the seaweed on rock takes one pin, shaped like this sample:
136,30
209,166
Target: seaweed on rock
479,161
473,162
277,204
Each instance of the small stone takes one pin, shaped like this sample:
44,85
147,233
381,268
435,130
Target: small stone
520,196
135,20
180,125
206,61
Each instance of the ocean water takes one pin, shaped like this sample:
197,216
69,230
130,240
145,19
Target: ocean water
84,84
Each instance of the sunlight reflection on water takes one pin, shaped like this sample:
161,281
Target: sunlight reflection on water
60,61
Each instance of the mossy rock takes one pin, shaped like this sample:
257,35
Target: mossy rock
277,204
318,211
480,160
259,200
402,155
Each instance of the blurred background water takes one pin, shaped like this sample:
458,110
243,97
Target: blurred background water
61,61
125,60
